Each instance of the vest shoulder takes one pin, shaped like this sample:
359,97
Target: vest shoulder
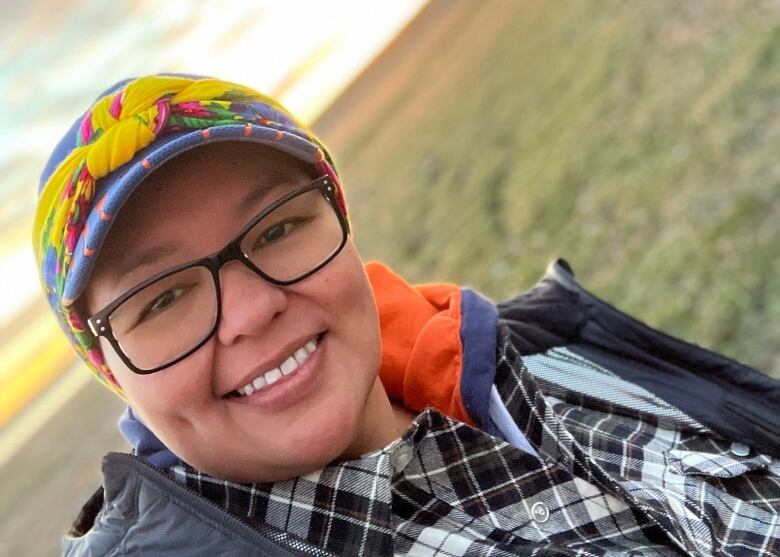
143,511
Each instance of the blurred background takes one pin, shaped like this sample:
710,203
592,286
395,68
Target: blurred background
477,141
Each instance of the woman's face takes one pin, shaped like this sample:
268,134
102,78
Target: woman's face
188,209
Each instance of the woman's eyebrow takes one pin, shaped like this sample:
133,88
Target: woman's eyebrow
146,257
250,201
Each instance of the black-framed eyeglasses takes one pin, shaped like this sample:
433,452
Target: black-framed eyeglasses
170,315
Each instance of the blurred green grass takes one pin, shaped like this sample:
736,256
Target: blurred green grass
638,140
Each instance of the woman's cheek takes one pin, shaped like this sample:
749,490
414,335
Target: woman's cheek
165,397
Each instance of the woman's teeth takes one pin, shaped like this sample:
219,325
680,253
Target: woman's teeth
288,366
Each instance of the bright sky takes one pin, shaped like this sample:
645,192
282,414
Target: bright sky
55,56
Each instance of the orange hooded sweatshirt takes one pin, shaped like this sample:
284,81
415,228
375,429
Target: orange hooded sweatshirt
431,355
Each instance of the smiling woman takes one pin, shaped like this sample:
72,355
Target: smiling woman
285,399
184,334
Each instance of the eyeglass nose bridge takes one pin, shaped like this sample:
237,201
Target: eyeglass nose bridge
224,256
229,253
232,252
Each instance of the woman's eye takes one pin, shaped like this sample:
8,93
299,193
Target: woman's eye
274,233
162,302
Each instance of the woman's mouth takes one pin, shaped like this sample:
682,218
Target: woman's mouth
288,368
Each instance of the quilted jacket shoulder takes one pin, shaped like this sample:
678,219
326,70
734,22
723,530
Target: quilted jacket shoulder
145,512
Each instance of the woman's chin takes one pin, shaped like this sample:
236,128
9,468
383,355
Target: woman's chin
320,446
308,452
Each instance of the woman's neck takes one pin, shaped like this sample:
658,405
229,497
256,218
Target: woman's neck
383,422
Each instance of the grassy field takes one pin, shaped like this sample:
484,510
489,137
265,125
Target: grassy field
639,140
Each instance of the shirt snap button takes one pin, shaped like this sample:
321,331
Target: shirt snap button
539,512
401,457
739,449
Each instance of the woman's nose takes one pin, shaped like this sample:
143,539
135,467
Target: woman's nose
249,303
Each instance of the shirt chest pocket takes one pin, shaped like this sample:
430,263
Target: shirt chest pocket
724,464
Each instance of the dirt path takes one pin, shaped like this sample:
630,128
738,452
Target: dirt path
384,81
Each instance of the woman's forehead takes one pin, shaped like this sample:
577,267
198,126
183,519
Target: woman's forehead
223,164
208,178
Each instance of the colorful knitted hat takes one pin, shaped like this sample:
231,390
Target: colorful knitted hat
131,129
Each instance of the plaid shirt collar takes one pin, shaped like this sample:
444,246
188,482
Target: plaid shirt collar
347,508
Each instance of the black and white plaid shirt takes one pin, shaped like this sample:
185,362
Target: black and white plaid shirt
618,472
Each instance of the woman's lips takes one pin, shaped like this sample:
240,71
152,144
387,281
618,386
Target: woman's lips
289,366
278,389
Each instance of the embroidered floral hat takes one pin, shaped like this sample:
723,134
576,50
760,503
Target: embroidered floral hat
133,128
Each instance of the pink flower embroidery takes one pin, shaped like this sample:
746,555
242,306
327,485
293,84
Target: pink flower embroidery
191,108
